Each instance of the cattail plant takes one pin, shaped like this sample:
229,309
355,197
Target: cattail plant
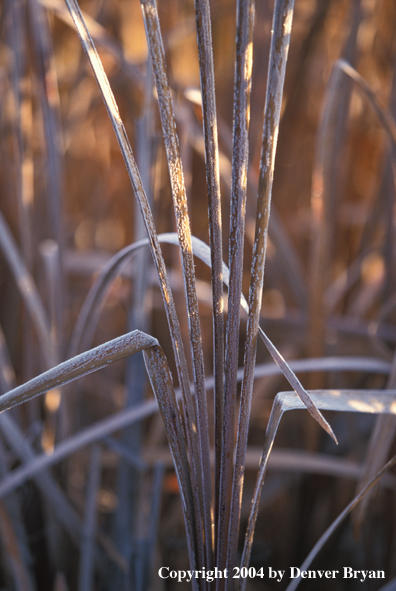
211,486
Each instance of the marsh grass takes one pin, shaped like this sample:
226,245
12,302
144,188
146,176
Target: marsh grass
210,485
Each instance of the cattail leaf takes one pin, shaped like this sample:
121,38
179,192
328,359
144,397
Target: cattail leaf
136,182
280,42
118,421
78,366
367,401
206,69
99,35
201,465
240,160
160,377
323,539
202,251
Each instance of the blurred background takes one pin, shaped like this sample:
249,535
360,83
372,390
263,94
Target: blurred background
107,516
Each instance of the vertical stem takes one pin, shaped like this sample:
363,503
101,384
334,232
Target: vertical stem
281,27
205,53
168,122
86,572
23,120
161,381
49,99
272,428
243,71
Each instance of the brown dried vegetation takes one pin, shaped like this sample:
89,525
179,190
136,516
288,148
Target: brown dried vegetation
89,492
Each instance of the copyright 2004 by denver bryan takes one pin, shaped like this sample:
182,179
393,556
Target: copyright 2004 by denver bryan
292,572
